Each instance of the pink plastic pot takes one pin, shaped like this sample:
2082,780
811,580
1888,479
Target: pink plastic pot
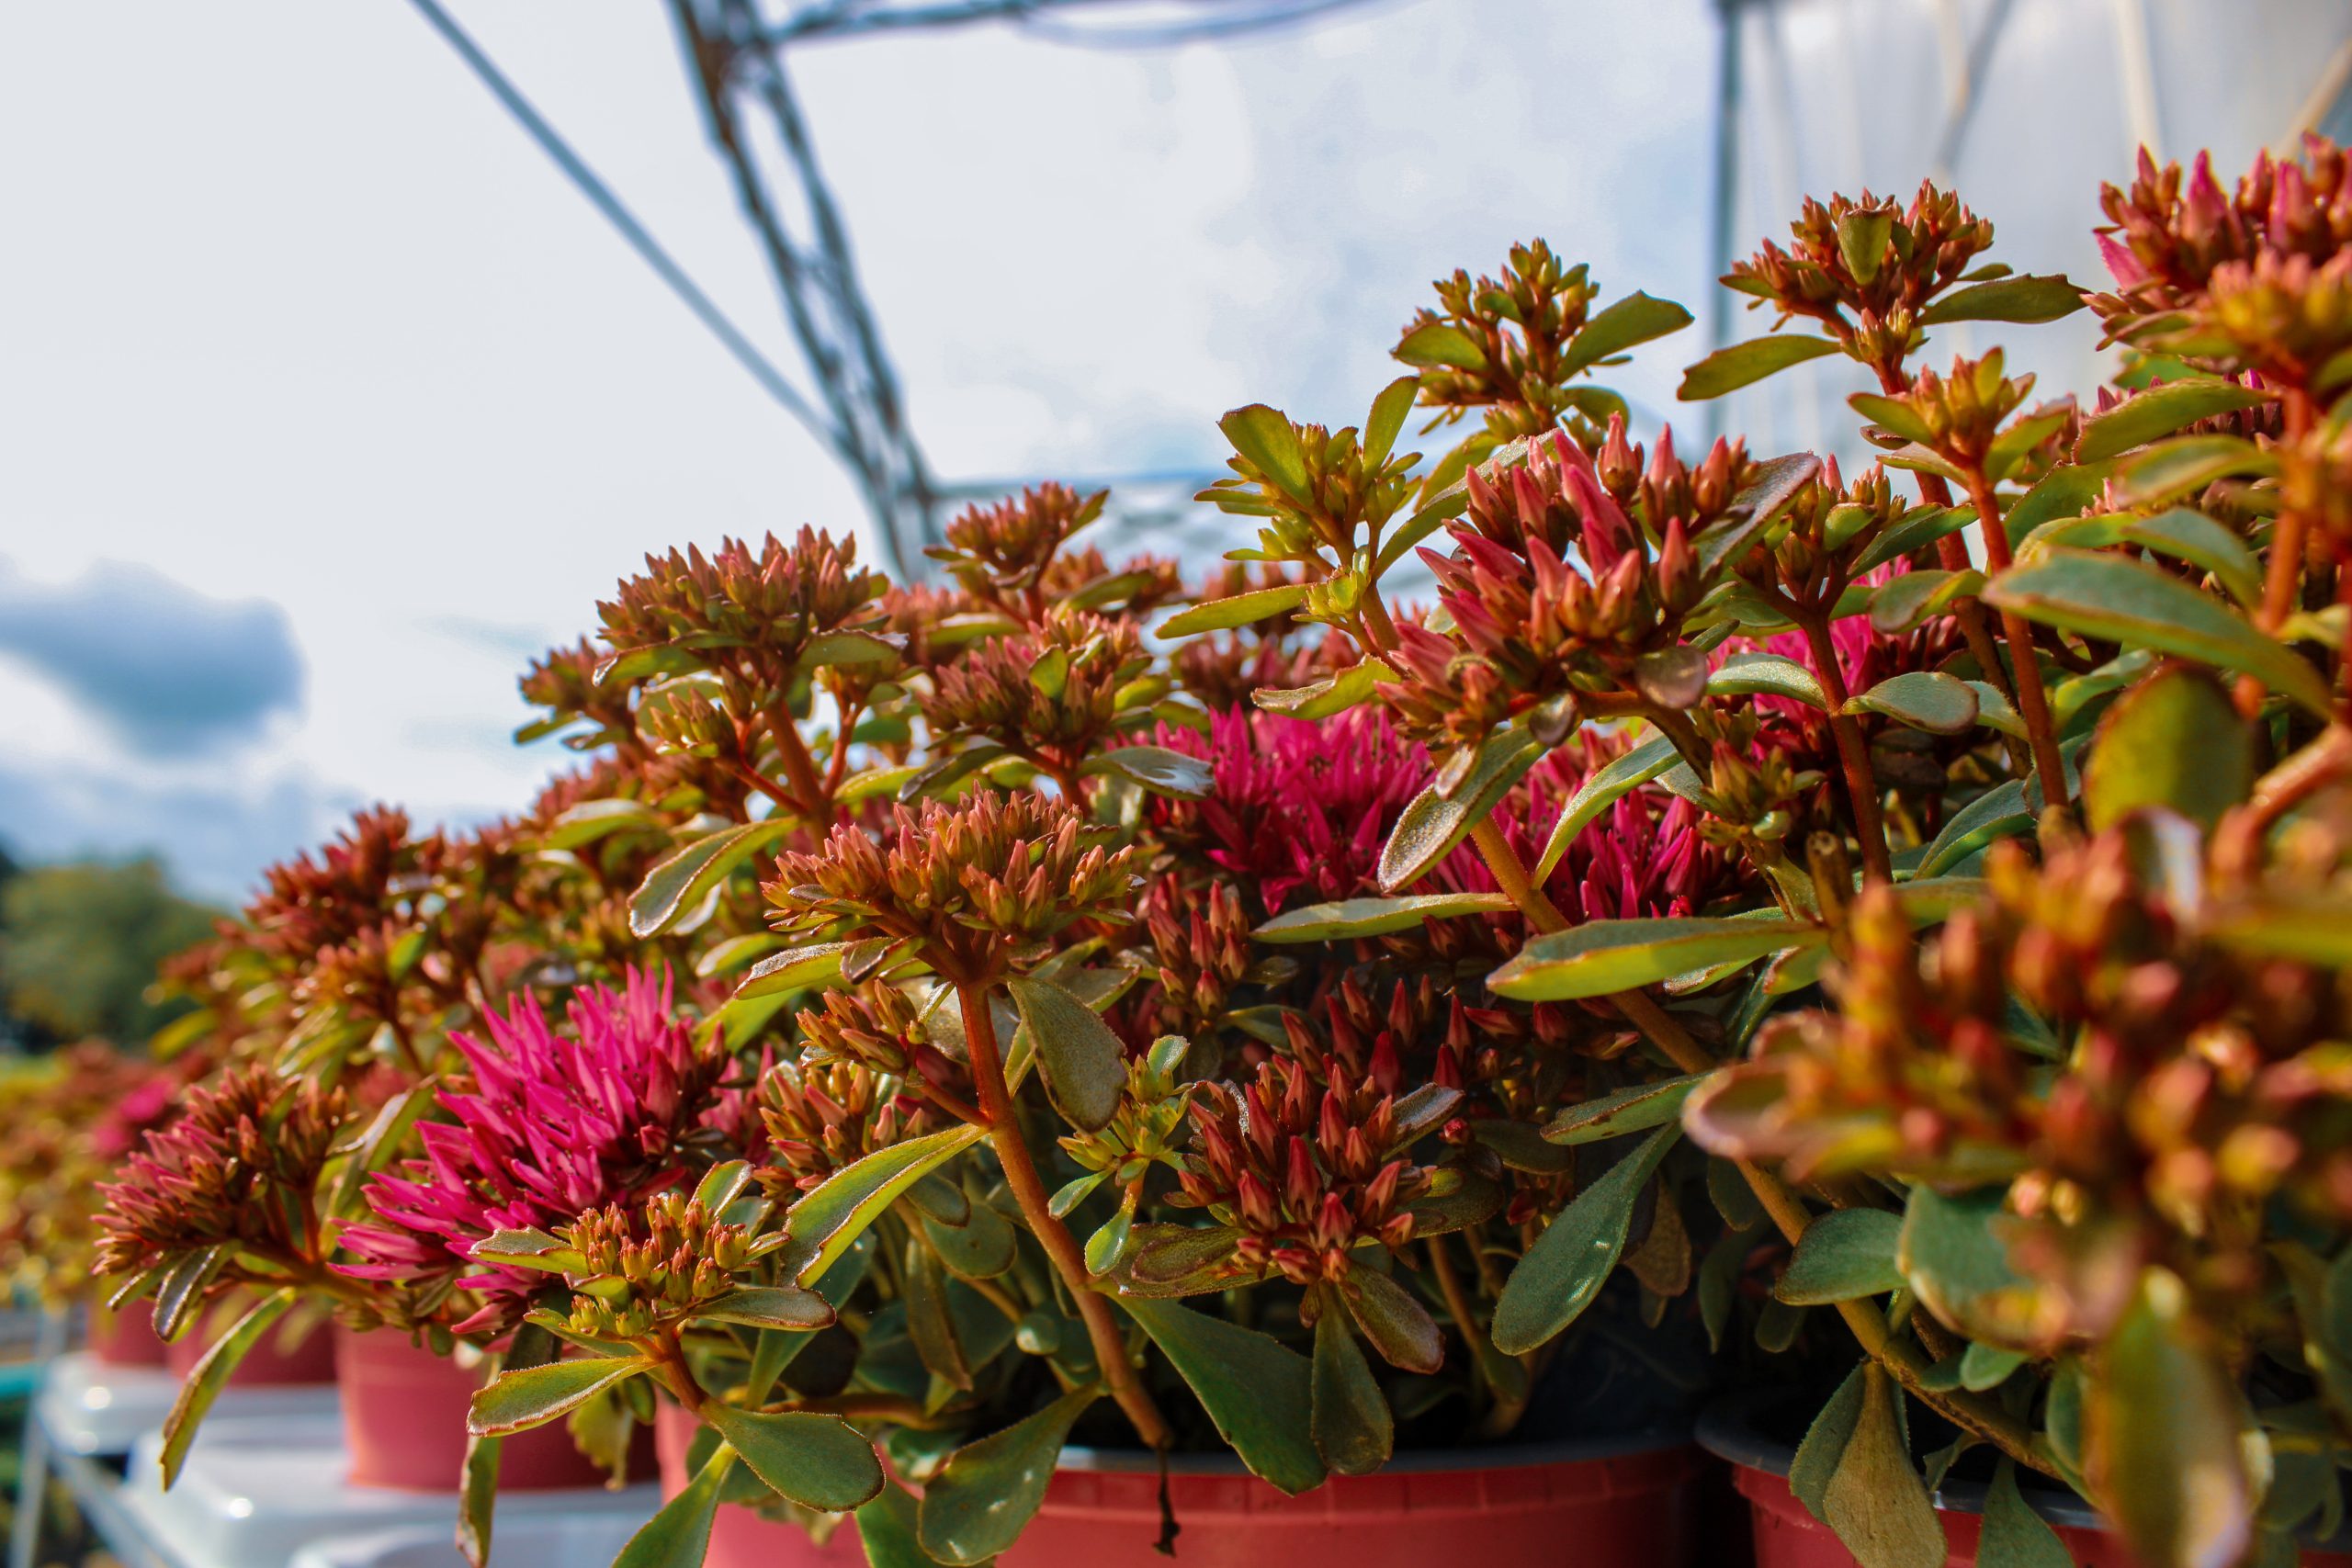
1788,1536
270,1364
404,1422
126,1338
1626,1504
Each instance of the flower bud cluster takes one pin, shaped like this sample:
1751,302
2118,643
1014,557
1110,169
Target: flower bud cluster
774,599
641,1276
821,1116
1517,329
1200,951
1149,1127
1051,693
2227,273
237,1169
1000,554
1305,1176
952,878
1867,269
2192,1083
1527,625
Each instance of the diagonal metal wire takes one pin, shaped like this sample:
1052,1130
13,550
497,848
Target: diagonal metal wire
600,196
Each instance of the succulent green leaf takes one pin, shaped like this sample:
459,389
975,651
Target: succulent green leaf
1441,343
1777,482
1924,699
1905,601
2173,740
1768,674
1432,824
1332,694
2130,601
1876,1501
887,1527
1258,1394
770,1306
1376,917
2024,299
830,1218
1266,438
1843,1255
2186,464
1621,776
1156,768
1571,1260
1241,610
819,1461
1953,1254
1086,1068
478,1498
1861,241
1728,370
1354,1430
515,1402
1604,956
1637,318
1892,415
1389,411
2158,412
680,882
1395,1322
211,1375
981,1499
1825,1444
2181,533
2164,1434
679,1534
593,819
1635,1109
2014,1536
798,969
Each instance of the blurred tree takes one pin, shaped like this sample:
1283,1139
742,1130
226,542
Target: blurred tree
79,943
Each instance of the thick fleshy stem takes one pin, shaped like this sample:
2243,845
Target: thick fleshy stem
1029,1191
1853,753
2033,704
2287,546
1863,1317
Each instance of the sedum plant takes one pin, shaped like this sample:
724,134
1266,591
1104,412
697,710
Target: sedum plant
1537,905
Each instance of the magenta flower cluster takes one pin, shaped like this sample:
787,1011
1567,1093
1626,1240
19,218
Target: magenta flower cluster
551,1123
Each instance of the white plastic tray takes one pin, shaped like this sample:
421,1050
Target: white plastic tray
255,1491
537,1541
90,1407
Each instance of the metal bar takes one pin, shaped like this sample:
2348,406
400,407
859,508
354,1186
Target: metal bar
1720,238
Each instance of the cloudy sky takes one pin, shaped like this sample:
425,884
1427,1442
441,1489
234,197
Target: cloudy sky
324,402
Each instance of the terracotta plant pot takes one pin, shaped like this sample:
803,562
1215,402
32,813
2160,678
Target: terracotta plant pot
404,1422
270,1364
126,1338
1602,1505
1788,1536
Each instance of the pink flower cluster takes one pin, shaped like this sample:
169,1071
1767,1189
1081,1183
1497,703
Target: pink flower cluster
550,1125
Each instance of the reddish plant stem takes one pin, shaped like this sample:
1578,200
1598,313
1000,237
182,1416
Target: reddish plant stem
2287,542
1853,751
1028,1188
2033,704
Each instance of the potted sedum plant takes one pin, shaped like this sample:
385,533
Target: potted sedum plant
1051,1064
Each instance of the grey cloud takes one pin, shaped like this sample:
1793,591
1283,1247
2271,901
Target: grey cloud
172,672
213,839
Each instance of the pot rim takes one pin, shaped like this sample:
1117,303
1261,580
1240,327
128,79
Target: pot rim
1406,1461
